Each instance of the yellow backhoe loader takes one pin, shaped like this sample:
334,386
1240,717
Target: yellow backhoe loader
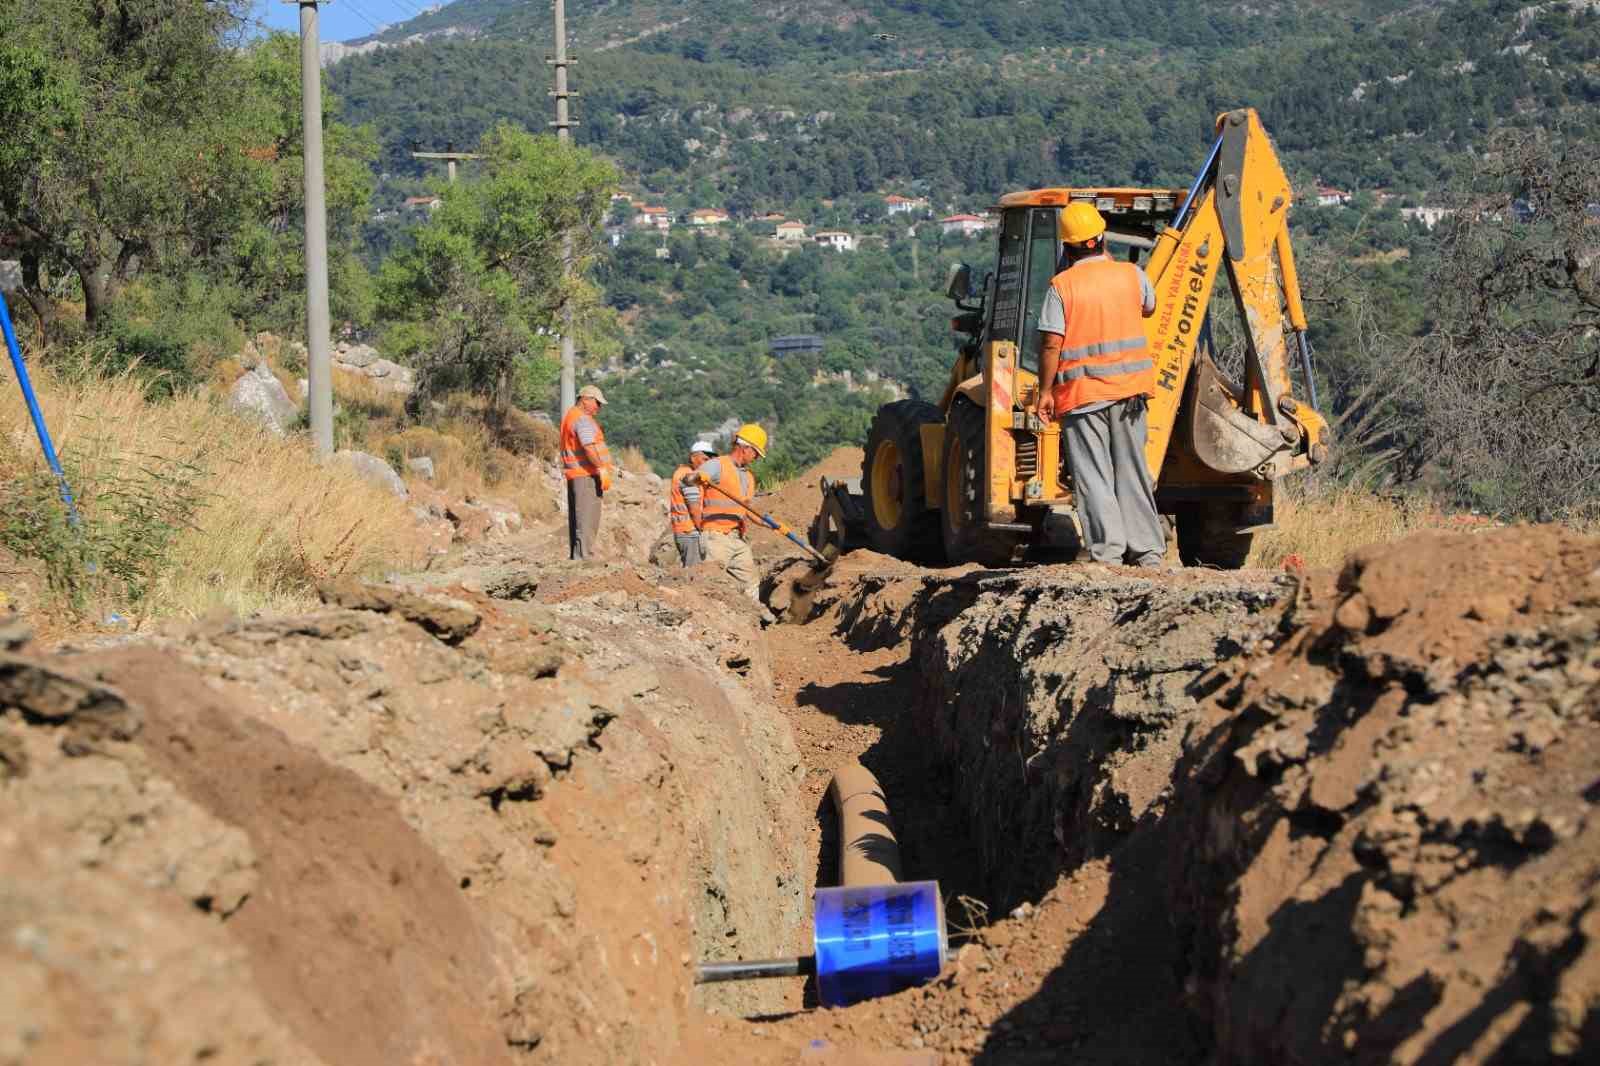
979,477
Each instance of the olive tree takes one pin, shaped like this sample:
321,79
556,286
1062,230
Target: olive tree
480,292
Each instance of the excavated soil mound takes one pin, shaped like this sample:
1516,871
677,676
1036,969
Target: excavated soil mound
478,817
1387,847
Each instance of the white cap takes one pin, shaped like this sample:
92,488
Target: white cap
703,447
593,392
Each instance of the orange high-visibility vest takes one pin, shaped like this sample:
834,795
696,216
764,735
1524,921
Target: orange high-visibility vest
719,514
576,461
677,506
1104,355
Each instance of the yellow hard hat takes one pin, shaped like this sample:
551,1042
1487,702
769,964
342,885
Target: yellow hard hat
753,435
1080,223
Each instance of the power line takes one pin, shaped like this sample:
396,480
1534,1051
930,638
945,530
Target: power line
362,15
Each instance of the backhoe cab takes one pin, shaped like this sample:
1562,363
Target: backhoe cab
979,477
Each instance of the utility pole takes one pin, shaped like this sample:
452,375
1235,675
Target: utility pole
449,155
319,370
563,125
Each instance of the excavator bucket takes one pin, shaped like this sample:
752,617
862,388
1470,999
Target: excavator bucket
1224,436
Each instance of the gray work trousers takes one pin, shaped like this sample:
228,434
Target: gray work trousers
1116,498
690,550
583,516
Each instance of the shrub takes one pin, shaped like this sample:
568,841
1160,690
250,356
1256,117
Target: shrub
186,506
119,543
522,433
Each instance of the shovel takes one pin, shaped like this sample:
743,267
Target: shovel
819,561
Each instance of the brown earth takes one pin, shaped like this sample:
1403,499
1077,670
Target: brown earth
1391,850
493,812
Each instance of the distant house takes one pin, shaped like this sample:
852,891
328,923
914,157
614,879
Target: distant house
965,225
621,197
905,205
836,239
653,215
794,344
707,216
1328,196
790,231
1428,216
429,204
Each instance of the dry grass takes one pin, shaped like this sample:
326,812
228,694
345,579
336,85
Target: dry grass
1322,525
368,395
467,461
631,459
272,522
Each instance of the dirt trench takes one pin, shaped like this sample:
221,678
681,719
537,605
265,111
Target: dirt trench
1233,817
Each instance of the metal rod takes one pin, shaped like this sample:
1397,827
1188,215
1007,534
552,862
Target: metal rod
1194,190
39,427
706,973
1307,368
319,367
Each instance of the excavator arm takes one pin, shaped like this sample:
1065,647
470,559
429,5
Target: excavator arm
1235,222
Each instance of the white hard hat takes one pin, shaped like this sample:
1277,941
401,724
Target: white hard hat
703,447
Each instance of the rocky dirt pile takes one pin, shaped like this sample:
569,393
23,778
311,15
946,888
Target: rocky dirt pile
1389,842
485,816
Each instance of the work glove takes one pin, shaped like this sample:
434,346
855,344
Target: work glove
605,480
699,478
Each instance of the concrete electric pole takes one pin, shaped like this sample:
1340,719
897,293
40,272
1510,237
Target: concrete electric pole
563,125
319,370
449,155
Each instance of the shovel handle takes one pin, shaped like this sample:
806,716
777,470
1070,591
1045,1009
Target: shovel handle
772,524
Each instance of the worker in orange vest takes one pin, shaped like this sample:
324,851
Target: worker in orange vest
721,521
681,500
586,462
1096,374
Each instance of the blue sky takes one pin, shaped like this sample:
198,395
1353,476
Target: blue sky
341,20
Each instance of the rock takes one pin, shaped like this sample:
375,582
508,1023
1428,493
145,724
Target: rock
372,469
450,620
472,523
504,518
269,345
421,465
358,355
14,632
384,368
261,396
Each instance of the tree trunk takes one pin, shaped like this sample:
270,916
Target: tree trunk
96,280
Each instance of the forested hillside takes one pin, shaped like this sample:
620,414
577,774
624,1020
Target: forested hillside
747,103
815,111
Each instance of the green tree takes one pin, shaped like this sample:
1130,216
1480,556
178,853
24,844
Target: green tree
120,140
141,140
482,285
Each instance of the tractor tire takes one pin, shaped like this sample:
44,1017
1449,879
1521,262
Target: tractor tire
966,540
898,519
1207,535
